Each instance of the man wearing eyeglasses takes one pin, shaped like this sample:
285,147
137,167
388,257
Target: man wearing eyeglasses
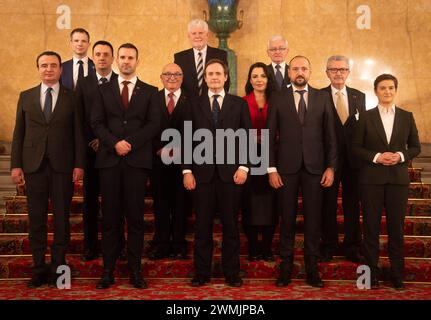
348,104
277,49
166,179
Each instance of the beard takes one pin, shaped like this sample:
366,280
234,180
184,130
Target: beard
299,81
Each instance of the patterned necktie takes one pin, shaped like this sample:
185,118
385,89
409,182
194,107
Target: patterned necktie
125,94
47,106
200,71
302,109
171,103
278,76
215,109
341,107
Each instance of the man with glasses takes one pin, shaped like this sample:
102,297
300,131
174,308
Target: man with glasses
166,179
277,49
347,104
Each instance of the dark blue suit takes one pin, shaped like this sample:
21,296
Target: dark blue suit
66,78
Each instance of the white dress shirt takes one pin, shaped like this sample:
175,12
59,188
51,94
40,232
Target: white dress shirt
282,69
54,93
176,96
388,118
76,68
204,55
131,85
343,96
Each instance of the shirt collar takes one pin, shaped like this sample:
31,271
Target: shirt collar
108,77
133,80
85,60
282,65
204,50
221,93
383,110
335,90
177,93
55,87
295,88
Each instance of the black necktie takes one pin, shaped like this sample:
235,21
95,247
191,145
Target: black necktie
47,106
302,109
80,69
103,80
216,109
278,76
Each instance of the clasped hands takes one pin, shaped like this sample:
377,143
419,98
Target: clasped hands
327,180
189,181
123,148
388,158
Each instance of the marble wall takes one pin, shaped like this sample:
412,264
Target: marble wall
378,35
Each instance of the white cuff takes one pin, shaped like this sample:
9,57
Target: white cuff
376,156
243,168
402,156
187,171
271,169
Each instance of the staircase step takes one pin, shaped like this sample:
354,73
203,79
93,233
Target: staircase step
18,244
416,270
18,223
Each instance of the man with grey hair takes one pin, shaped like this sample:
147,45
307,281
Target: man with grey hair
192,61
277,50
347,104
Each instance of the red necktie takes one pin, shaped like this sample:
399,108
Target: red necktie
171,102
125,94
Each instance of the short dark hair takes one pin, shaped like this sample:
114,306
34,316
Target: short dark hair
48,53
383,77
129,46
79,30
299,56
270,83
214,61
104,43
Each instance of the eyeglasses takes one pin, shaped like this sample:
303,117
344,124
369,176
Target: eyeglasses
175,75
335,70
277,49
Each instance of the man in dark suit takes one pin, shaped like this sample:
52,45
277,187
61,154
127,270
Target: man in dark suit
347,104
80,65
217,185
166,179
48,155
192,61
87,90
386,140
125,120
302,118
277,50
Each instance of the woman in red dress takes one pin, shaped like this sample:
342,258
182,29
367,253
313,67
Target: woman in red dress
259,214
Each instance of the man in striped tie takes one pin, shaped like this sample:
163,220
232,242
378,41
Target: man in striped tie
192,61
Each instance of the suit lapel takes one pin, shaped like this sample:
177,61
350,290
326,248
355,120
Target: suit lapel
291,103
116,92
397,125
58,104
378,124
35,100
352,100
135,94
309,106
206,106
225,108
193,67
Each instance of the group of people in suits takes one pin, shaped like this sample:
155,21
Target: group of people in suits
84,118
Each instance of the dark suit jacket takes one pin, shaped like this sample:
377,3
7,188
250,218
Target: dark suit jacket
186,60
286,80
174,120
61,139
234,115
138,125
86,92
370,138
66,78
356,100
315,143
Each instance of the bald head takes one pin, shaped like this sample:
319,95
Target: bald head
172,77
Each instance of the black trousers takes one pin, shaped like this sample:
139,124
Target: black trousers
223,198
348,178
122,188
91,202
42,185
287,197
394,199
169,204
256,247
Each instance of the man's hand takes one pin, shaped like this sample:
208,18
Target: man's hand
327,178
240,176
78,174
189,181
123,147
94,144
388,158
275,180
17,176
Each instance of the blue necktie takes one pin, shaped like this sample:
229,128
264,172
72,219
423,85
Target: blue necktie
47,107
279,76
302,109
216,109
